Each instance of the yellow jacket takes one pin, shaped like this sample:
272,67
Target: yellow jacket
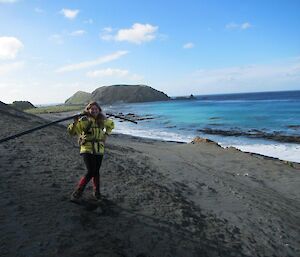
93,136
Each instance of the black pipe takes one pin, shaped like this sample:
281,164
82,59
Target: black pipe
54,122
120,117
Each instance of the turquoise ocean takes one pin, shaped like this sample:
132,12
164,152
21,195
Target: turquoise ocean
256,122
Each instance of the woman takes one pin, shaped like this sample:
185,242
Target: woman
92,129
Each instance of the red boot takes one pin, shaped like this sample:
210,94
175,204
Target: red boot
77,194
80,188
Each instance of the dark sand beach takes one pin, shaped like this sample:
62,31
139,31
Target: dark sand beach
162,198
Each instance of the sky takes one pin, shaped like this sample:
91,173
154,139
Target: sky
51,49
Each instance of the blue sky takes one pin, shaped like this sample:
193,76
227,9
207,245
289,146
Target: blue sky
51,49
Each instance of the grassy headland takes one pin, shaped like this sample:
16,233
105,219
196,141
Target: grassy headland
55,109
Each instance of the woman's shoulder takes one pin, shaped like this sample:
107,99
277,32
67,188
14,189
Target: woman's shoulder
84,121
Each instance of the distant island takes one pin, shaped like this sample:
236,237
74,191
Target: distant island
191,97
119,94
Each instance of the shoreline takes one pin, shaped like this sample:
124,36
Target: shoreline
53,116
293,164
254,133
276,136
163,198
230,141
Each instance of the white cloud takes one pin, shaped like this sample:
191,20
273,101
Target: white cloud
107,37
87,64
38,10
9,47
242,26
56,39
106,34
89,21
107,30
276,76
8,1
188,45
77,33
249,75
232,25
136,77
137,34
246,25
69,14
10,67
107,73
40,91
110,75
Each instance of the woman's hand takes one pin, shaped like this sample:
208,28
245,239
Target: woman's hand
76,119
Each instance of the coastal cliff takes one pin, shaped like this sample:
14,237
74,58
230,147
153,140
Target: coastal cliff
119,94
128,94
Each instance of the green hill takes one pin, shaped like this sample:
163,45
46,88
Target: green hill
118,94
127,94
79,97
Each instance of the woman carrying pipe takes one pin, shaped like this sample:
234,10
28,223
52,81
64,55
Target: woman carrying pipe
92,130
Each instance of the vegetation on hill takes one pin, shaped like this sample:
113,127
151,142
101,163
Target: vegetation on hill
127,94
55,109
118,94
79,97
22,105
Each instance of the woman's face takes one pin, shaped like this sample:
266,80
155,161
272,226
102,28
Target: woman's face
94,111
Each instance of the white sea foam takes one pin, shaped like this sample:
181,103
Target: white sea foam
288,152
154,133
283,151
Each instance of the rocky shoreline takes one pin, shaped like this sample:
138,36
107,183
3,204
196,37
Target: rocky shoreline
254,133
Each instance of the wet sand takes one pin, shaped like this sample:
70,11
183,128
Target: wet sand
163,198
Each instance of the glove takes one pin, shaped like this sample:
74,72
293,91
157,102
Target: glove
76,119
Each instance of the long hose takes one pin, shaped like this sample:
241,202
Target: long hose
54,122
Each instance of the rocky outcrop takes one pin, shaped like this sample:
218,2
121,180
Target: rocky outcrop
199,140
254,133
294,127
79,97
191,97
22,105
7,112
127,94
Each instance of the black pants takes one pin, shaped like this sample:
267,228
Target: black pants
93,164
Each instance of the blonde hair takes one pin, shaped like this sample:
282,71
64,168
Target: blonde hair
100,117
90,104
